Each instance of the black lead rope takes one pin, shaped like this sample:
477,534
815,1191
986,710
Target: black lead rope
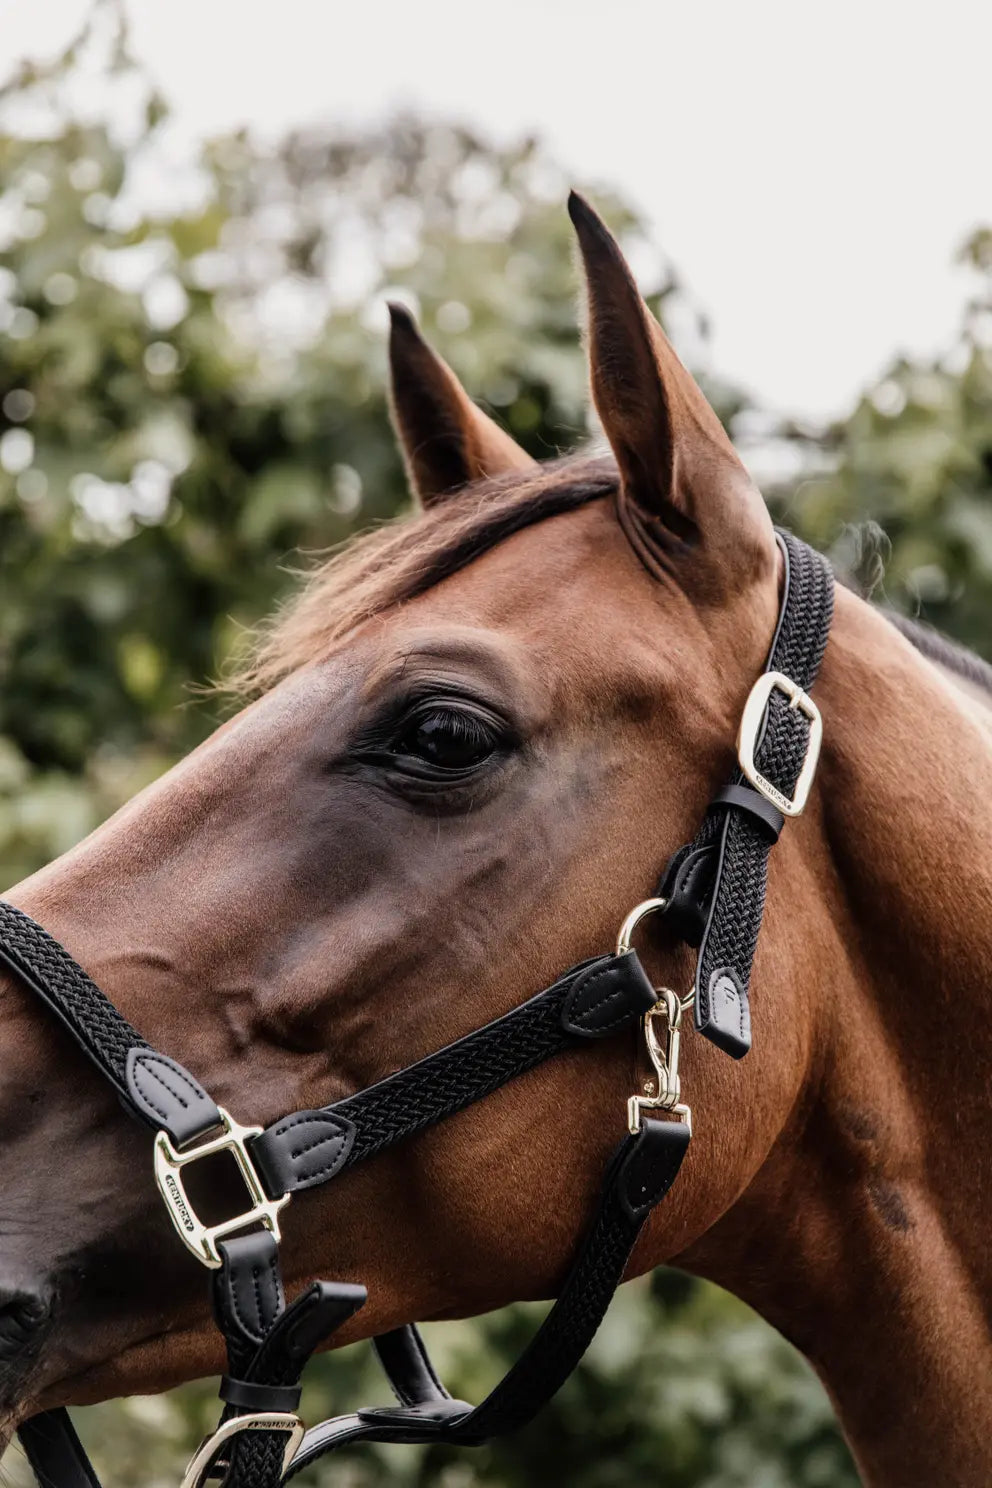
712,895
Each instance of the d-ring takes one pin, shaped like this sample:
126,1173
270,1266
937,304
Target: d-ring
630,924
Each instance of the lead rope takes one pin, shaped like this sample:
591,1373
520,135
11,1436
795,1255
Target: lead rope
712,895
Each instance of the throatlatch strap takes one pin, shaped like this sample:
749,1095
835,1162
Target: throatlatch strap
641,1173
153,1088
717,883
591,1001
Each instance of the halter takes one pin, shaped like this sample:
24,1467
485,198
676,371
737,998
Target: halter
712,895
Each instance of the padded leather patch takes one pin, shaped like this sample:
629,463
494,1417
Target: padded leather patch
305,1148
608,995
687,884
166,1095
651,1166
724,1015
247,1291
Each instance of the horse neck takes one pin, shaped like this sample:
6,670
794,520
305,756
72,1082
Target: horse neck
865,1236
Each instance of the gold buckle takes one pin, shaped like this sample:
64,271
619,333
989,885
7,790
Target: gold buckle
203,1458
202,1239
750,729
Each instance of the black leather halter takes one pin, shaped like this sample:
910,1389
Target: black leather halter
712,895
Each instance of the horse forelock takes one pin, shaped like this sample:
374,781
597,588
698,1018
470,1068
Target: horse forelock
402,558
395,562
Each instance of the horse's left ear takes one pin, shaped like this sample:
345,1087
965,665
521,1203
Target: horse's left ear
446,440
682,482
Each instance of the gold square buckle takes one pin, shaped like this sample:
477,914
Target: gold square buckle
750,731
198,1237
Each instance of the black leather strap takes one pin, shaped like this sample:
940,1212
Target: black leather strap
642,1171
715,885
591,1001
404,1357
56,1455
268,1346
746,798
249,1395
156,1090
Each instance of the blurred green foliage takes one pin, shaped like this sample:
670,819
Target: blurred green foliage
900,492
192,392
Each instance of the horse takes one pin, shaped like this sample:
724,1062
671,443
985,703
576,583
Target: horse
474,738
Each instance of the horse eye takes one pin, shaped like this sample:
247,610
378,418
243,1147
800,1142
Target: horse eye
448,739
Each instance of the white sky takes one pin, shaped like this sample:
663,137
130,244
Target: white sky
810,169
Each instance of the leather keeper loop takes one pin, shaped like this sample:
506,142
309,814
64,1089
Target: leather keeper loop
746,798
252,1396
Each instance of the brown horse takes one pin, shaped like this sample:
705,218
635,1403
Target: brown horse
480,733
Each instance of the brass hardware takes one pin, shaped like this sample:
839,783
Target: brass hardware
749,735
630,924
203,1459
665,1061
202,1239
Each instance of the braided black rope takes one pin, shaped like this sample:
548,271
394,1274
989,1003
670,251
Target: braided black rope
592,1000
738,897
643,1170
256,1460
460,1074
76,1000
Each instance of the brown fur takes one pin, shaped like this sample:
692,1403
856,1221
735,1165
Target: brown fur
293,923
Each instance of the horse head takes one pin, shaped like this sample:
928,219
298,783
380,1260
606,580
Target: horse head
476,738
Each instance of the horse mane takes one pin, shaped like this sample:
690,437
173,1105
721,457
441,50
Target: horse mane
939,648
404,557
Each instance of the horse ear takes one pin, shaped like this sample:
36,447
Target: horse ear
680,475
446,440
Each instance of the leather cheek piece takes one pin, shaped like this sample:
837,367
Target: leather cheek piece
166,1095
302,1150
607,995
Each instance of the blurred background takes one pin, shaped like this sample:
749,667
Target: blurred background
202,211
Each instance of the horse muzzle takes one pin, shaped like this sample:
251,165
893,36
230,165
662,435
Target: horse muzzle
26,1313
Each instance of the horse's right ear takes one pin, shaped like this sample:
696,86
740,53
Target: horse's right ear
682,485
446,440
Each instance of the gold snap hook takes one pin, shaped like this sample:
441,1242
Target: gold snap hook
664,1056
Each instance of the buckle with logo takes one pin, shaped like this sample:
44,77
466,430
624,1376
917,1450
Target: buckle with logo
210,1460
198,1237
750,731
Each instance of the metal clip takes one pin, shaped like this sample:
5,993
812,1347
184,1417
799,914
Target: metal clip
665,1062
202,1238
